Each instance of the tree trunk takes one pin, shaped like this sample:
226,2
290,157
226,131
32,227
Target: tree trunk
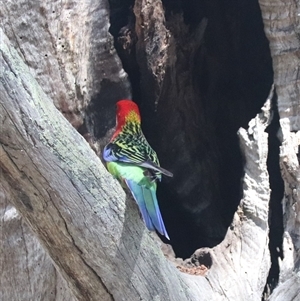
27,270
77,214
282,28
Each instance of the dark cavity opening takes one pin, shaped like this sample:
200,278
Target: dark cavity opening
211,88
275,213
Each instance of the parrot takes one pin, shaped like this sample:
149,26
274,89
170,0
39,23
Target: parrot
132,161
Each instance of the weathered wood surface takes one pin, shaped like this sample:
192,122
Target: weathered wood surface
61,43
282,27
27,272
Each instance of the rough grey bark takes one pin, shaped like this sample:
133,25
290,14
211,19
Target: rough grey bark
48,36
282,27
94,236
69,51
27,272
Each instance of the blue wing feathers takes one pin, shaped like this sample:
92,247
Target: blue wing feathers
137,192
153,210
108,155
148,205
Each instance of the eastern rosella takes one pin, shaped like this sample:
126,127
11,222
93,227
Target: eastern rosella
132,161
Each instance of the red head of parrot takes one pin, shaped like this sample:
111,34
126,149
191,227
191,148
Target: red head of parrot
127,111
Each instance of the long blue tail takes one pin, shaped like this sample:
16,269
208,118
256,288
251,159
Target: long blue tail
148,205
